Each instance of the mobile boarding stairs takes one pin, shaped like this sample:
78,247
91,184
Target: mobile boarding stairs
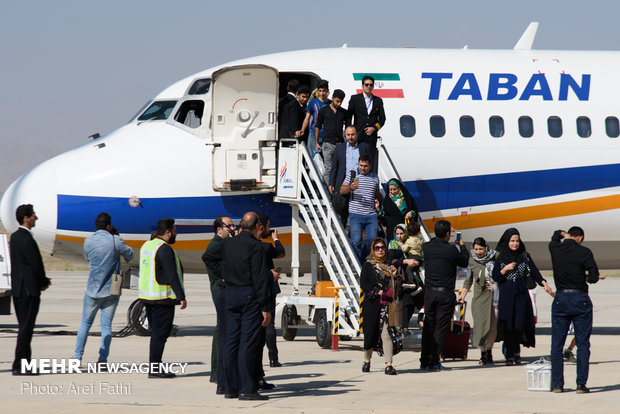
248,157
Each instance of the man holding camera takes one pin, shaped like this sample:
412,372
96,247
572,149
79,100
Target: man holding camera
440,262
103,251
573,268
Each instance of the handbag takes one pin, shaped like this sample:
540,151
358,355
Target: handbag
116,284
338,201
318,163
395,308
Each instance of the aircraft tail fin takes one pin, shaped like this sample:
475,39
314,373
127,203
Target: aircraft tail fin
527,38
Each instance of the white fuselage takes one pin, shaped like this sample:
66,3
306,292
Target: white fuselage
483,184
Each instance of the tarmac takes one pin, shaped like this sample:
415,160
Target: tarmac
311,380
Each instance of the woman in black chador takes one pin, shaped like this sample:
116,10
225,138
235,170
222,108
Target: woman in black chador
512,269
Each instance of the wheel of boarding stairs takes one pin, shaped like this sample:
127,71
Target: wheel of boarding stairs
289,319
323,329
136,317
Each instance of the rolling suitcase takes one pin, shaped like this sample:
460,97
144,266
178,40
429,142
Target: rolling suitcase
456,343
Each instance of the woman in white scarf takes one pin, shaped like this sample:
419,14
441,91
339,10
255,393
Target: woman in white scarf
486,295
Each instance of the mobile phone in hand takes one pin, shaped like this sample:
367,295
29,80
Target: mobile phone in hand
458,236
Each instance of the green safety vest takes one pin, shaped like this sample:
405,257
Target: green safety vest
147,284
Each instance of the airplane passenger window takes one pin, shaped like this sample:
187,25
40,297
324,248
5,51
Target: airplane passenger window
407,126
496,126
438,126
468,127
200,87
584,129
158,110
612,127
554,126
526,126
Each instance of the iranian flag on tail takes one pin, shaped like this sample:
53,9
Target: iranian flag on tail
385,84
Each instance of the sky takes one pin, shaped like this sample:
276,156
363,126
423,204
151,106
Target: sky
69,69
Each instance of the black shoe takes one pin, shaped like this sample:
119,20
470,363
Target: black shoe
389,370
275,364
213,380
557,390
233,395
509,362
253,397
489,357
19,372
582,389
162,375
366,367
264,385
483,358
102,366
220,391
438,367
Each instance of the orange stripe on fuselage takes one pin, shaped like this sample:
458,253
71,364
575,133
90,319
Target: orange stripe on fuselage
539,212
198,245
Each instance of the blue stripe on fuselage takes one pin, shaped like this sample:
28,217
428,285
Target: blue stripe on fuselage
77,213
447,193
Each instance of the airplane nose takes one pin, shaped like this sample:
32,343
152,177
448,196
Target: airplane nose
37,187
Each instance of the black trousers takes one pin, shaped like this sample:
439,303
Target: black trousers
160,319
267,337
438,311
270,338
243,323
26,310
220,328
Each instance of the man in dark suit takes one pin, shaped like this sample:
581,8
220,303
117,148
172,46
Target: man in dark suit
27,281
291,91
346,156
366,112
293,115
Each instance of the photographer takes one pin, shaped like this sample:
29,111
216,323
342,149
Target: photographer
103,251
271,252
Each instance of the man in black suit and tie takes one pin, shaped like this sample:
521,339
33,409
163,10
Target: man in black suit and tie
27,281
366,112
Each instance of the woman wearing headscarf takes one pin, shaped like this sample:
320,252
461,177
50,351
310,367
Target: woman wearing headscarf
515,315
486,296
397,206
407,267
380,285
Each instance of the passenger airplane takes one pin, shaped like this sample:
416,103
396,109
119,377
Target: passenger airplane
488,139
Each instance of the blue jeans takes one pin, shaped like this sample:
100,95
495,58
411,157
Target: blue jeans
567,307
91,306
357,224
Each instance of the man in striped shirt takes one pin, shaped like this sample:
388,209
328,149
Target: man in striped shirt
363,205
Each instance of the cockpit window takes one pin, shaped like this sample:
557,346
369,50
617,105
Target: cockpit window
190,113
158,110
200,87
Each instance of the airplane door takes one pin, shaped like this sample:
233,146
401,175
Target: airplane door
244,104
